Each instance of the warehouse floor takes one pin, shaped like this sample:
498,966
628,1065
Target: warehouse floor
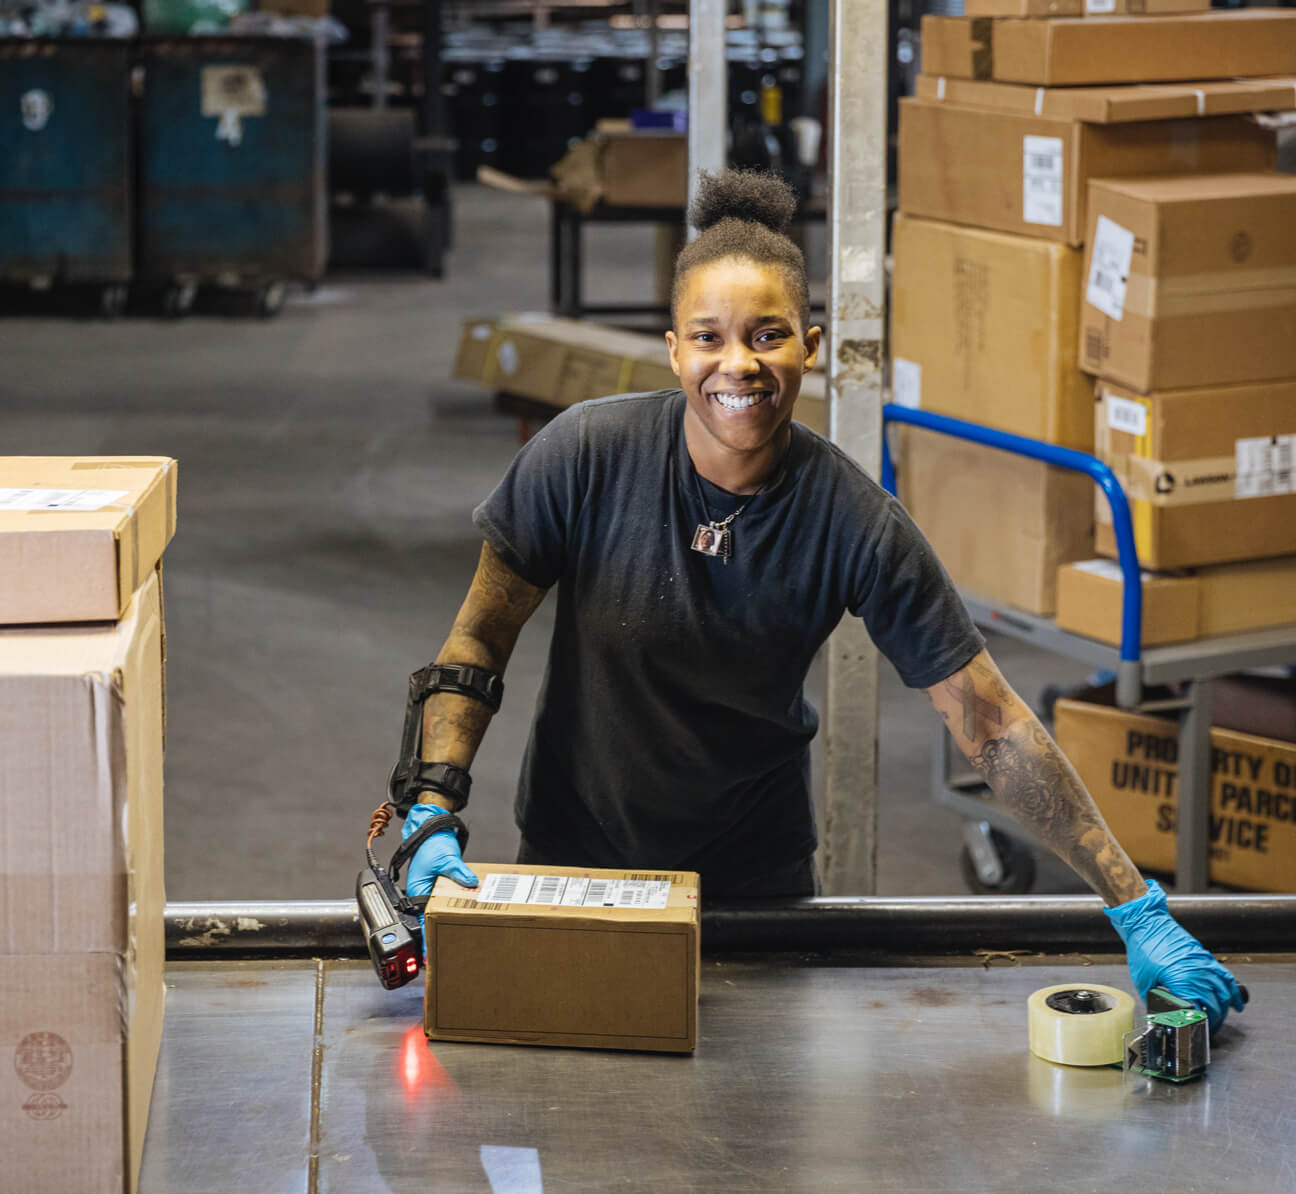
328,467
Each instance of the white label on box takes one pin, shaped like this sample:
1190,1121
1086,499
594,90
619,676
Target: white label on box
507,356
1100,6
573,891
237,89
1109,265
1264,466
906,383
83,501
1106,569
1042,180
1124,414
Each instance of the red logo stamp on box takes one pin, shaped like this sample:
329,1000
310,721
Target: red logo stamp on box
43,1060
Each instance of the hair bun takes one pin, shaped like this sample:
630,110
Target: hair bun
756,196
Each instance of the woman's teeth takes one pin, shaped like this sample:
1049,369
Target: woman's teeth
740,401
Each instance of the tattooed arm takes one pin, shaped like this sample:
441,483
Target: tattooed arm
1031,778
484,633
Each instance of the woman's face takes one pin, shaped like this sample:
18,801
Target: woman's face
739,351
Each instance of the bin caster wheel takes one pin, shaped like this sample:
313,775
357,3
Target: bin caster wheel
178,299
112,301
270,300
993,863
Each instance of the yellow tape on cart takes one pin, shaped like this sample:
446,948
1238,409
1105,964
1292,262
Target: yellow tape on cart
1078,1025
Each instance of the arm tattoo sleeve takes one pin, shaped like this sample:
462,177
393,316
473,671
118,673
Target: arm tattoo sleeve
484,633
1031,778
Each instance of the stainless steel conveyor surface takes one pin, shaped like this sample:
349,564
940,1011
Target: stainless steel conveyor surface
287,1077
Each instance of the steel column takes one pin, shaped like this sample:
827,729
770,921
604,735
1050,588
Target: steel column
708,83
1192,822
857,212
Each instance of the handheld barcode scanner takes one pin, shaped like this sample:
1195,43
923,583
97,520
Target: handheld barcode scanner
391,920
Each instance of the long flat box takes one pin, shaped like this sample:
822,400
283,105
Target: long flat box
1129,763
586,958
1179,607
1191,281
1080,8
560,362
79,534
1001,524
1091,50
1208,471
1143,8
81,896
1114,105
1017,172
980,324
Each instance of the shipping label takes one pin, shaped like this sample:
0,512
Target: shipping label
1109,265
1100,7
906,382
1264,466
1042,180
1125,414
237,89
573,891
81,501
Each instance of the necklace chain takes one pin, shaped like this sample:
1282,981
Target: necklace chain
722,527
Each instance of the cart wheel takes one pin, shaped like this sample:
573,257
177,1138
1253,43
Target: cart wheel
112,301
1016,862
178,299
270,300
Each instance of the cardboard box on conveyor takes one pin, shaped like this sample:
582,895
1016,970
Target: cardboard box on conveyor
598,959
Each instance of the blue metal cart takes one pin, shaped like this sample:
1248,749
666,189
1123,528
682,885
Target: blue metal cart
230,193
65,166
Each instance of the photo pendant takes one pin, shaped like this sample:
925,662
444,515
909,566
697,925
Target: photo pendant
714,541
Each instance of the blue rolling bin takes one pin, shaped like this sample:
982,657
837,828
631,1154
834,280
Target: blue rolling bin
65,165
231,162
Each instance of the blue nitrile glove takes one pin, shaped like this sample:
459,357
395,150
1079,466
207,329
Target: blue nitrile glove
1163,954
439,855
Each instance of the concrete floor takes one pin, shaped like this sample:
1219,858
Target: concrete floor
328,467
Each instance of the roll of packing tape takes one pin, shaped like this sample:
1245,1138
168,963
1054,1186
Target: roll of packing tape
1078,1025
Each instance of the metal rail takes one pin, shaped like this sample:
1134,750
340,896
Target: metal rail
911,927
1129,682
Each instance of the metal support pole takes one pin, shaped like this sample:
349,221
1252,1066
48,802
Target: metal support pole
1192,832
857,212
708,109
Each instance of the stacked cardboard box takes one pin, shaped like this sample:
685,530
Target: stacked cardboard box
82,651
997,180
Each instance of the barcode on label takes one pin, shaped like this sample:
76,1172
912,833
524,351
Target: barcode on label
1109,266
598,893
1042,197
1265,466
638,891
548,890
1123,414
84,501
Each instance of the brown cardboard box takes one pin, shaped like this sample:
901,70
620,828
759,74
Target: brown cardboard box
1129,763
1179,607
595,962
979,329
1142,8
1089,602
1001,524
1113,105
81,896
79,534
1191,281
645,169
1208,471
1022,173
1114,49
560,362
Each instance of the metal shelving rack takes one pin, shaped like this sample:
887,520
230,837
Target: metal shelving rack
1194,665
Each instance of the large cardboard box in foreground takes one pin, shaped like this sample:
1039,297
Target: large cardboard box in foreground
1129,763
1018,172
597,959
1210,472
560,362
1112,49
1001,524
1179,606
979,328
79,534
81,897
1191,281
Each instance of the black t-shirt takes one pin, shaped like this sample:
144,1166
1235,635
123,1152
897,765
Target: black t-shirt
671,730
